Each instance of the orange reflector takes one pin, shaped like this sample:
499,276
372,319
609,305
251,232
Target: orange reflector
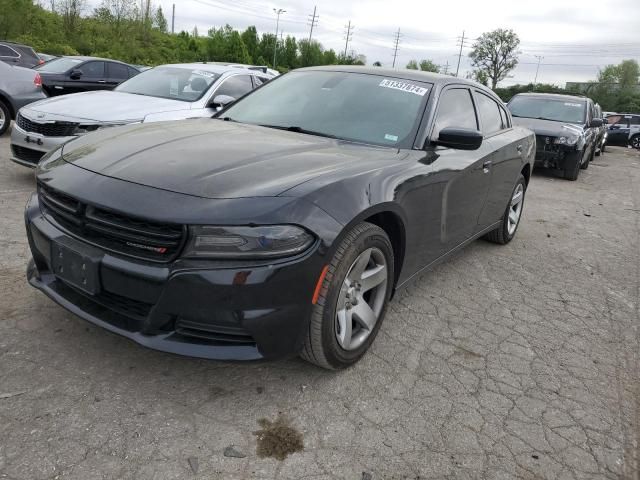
316,293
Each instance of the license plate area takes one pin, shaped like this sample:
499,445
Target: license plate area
78,269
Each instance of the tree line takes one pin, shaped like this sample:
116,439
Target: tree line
138,33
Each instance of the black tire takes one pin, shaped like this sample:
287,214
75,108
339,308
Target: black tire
501,234
5,113
635,141
572,167
585,165
604,148
321,346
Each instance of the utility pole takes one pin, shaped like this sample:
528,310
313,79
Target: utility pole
395,47
445,68
278,12
462,41
535,82
173,19
313,21
348,37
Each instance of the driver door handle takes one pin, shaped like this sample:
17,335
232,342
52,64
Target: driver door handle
486,166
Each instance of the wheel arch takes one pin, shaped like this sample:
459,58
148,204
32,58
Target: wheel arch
4,98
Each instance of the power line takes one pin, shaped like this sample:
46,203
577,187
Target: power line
348,37
396,45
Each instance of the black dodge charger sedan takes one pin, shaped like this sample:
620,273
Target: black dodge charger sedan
285,224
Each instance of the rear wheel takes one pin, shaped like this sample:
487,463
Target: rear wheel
585,164
511,219
635,141
353,299
5,117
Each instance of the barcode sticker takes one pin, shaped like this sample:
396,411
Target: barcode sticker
404,86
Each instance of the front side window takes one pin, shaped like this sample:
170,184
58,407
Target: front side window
235,86
489,114
359,107
555,109
175,83
455,110
92,70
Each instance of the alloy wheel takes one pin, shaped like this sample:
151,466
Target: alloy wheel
361,299
635,141
3,119
515,209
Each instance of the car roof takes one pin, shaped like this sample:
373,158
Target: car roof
15,44
558,96
85,58
209,67
403,73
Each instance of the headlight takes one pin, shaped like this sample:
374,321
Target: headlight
271,241
566,140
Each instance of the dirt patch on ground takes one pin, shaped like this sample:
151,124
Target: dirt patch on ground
278,439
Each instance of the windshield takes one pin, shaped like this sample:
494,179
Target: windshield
352,106
558,110
59,65
175,83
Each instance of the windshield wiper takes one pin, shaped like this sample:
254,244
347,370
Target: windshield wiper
227,119
297,129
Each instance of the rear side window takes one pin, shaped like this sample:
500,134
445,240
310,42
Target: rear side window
8,52
260,80
132,72
506,122
118,71
235,86
92,70
634,120
455,109
489,112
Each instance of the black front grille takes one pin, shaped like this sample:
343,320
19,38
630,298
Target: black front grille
50,129
216,333
114,231
27,154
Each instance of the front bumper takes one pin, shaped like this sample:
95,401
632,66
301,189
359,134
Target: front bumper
28,148
206,309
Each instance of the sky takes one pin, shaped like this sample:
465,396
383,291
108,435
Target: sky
575,37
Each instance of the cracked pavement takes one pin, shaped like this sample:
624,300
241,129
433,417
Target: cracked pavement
504,362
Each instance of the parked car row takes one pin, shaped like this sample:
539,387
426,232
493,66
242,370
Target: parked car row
624,130
169,92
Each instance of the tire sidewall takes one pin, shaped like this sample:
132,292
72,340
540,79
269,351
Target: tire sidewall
7,116
505,221
334,353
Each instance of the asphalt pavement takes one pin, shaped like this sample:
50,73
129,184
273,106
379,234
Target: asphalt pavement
518,361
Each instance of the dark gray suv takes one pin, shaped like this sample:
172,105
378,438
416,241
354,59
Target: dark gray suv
18,54
567,129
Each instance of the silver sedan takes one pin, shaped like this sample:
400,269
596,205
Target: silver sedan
168,92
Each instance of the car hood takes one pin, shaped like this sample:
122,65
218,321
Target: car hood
216,159
102,106
548,127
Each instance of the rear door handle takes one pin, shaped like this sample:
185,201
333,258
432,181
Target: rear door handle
519,148
486,166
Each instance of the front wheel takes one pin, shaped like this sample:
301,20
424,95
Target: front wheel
353,299
5,117
572,166
635,142
511,219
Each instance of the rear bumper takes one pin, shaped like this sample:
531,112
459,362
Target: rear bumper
28,148
211,310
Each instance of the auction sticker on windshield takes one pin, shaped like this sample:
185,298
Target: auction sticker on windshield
404,86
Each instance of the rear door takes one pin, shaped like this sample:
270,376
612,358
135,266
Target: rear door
505,160
466,174
116,74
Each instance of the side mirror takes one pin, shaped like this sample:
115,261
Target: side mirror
75,74
460,138
221,101
596,123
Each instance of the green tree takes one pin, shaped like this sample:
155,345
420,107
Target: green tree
496,54
429,66
250,40
159,21
412,65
